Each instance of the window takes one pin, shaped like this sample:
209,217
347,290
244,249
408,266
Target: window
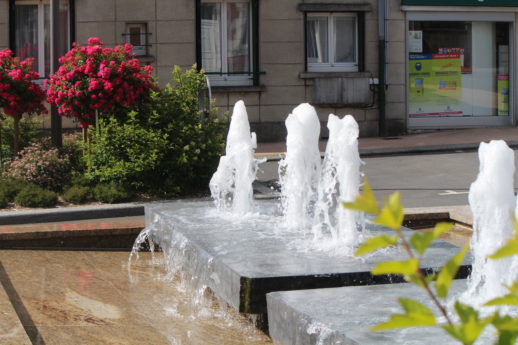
226,41
136,35
32,32
332,42
459,69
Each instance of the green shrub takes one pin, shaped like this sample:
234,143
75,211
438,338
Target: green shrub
30,130
11,187
42,165
34,196
77,194
168,148
3,200
111,193
126,153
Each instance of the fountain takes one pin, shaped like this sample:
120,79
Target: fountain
492,202
299,172
317,318
231,184
334,226
241,256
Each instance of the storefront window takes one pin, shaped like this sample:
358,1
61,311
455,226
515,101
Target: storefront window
458,68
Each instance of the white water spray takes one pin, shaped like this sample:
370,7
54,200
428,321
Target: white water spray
231,184
492,202
299,171
340,182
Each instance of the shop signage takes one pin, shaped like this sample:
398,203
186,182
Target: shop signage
435,86
496,3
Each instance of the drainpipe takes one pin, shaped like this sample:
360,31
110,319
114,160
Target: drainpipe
55,119
382,44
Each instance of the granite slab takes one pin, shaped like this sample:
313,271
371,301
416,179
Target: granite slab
344,316
242,258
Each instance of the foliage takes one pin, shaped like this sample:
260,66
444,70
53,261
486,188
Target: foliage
18,94
3,200
127,153
77,194
35,196
30,131
93,78
111,193
470,323
10,187
166,149
39,164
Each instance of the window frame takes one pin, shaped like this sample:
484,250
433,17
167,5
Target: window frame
41,28
224,78
143,46
331,65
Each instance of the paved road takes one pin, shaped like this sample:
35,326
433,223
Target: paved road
424,180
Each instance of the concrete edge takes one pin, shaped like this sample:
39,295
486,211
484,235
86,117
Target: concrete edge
71,214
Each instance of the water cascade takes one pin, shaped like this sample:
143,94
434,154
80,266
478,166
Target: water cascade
299,171
231,184
492,202
334,225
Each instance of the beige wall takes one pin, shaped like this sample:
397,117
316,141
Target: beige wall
282,62
171,24
283,84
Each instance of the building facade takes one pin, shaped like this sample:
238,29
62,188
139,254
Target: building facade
395,65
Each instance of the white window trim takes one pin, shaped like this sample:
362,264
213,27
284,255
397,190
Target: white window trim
331,66
225,79
143,46
41,30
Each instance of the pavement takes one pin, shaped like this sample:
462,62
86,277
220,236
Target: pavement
426,142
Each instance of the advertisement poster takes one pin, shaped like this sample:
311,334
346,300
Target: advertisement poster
435,84
503,94
415,41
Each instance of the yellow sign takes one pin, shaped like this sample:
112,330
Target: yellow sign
435,84
503,94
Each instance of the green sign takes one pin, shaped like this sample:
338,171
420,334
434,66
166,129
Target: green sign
496,3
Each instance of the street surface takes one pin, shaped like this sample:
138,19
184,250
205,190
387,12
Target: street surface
424,180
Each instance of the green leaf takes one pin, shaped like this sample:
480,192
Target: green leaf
510,248
448,272
416,315
365,202
392,214
509,299
441,228
407,267
470,327
375,243
505,323
421,241
507,338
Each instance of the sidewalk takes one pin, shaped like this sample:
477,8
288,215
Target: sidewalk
435,141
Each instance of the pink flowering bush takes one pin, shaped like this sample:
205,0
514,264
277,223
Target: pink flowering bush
44,166
18,93
94,78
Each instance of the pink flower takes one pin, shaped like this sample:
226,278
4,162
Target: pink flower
95,41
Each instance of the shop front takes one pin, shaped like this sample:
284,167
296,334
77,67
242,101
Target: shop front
460,67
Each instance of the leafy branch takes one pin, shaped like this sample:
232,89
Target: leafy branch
437,286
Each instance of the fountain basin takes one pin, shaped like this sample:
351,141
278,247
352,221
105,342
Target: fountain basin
242,258
344,316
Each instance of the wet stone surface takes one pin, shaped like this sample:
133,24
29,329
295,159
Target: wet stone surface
241,258
76,297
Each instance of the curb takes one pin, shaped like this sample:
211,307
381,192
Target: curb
71,214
